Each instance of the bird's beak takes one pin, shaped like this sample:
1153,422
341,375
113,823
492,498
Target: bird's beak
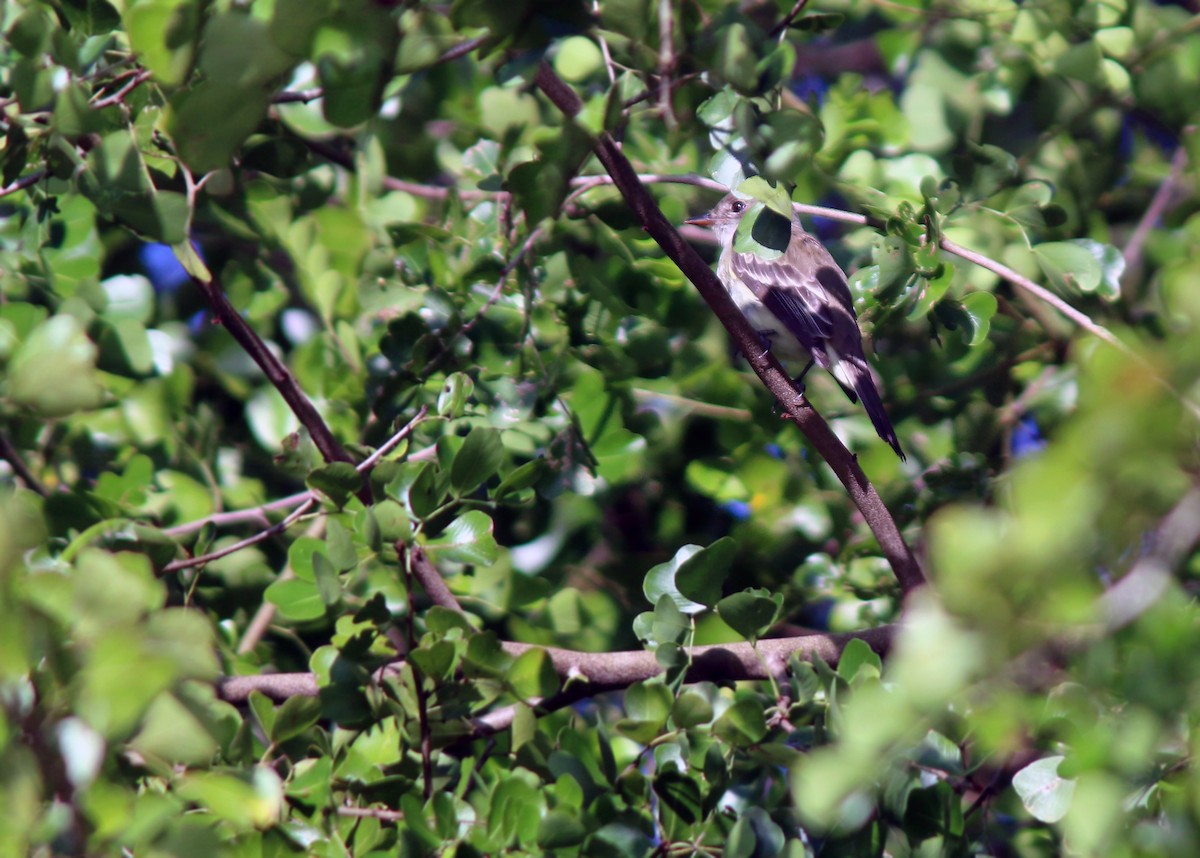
701,220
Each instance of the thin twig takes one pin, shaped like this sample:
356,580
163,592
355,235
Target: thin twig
1156,209
1079,318
254,515
462,48
780,29
406,561
137,79
303,96
177,565
307,500
604,51
23,183
440,192
279,376
372,812
12,455
694,406
666,62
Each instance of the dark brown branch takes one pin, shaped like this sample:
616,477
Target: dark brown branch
785,22
598,672
462,48
12,455
280,377
844,465
136,79
23,183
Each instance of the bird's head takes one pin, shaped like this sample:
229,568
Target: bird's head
724,216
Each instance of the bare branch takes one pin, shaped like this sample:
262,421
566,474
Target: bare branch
262,535
1157,208
254,515
279,376
429,578
12,455
136,79
1148,580
598,672
23,183
1079,318
306,500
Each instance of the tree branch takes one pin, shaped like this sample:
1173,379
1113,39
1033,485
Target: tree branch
279,376
844,465
12,455
598,672
429,578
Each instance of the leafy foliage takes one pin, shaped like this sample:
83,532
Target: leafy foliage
374,485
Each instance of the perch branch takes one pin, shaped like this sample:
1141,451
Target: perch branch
844,465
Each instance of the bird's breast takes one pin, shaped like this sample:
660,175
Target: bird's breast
784,345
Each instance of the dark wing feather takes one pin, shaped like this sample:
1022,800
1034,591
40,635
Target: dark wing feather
789,291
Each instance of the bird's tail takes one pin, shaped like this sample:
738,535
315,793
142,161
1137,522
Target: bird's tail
852,373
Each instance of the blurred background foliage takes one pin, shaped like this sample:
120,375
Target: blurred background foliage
395,209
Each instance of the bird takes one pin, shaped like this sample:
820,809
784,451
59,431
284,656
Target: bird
800,305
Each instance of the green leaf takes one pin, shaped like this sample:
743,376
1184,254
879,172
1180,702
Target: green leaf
775,197
467,539
52,372
858,658
647,707
752,612
456,390
742,724
1071,266
532,675
972,318
701,576
296,600
477,460
338,481
577,59
680,793
702,579
763,232
691,709
1045,794
670,624
294,717
163,34
735,60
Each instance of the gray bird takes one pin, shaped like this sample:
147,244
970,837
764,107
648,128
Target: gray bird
800,304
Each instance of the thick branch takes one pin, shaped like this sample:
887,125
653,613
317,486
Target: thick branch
841,461
597,672
430,578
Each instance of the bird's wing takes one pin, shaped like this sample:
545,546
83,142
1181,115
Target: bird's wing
787,293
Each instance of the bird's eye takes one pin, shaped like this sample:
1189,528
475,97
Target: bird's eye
738,206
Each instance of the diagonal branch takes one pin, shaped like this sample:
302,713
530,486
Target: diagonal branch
279,376
844,465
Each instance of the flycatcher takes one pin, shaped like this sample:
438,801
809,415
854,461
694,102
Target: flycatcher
800,304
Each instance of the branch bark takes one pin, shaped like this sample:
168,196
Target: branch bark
280,378
597,672
844,465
